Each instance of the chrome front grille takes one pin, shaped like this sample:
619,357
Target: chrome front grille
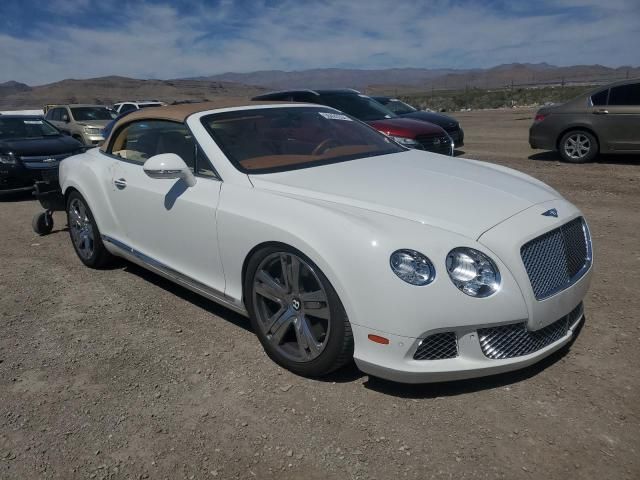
515,340
558,258
43,161
437,347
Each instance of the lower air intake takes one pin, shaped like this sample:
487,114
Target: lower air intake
437,347
515,340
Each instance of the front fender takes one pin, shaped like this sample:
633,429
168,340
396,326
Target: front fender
352,247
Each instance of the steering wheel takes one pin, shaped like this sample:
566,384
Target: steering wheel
323,146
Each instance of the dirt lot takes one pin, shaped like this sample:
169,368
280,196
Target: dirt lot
120,374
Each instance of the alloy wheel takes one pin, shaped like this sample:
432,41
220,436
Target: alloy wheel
81,229
577,146
291,306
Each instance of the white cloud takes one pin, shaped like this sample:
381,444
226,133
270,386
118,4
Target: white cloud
158,41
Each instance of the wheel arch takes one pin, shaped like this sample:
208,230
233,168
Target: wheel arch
250,254
69,191
307,251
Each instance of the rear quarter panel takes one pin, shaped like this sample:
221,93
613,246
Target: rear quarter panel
91,174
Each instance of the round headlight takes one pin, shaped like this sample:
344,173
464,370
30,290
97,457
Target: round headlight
412,267
473,272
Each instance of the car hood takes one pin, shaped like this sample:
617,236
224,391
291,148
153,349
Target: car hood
462,196
405,127
441,120
40,146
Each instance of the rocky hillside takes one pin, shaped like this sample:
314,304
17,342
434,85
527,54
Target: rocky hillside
503,75
107,90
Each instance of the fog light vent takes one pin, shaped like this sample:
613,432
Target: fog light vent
437,347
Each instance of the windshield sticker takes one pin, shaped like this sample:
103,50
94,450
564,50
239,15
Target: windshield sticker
32,122
335,116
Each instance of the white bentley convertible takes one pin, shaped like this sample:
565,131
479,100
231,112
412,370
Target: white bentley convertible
337,242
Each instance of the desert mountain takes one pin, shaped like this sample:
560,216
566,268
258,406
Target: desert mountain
107,90
495,77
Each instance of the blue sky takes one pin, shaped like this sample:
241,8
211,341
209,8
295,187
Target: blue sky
47,40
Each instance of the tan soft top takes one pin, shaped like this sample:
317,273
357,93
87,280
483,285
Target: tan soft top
179,113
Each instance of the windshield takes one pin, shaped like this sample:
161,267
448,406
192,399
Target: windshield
280,139
359,106
83,114
25,128
399,108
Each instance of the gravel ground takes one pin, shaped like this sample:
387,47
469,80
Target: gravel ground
121,374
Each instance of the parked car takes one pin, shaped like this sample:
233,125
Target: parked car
106,131
605,120
407,132
450,125
335,241
30,150
82,122
123,107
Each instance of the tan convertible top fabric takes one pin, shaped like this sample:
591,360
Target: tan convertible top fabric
179,113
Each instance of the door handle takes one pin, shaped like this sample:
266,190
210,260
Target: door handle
120,183
600,112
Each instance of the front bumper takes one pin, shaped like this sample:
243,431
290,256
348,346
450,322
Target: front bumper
396,362
92,139
19,178
457,136
420,314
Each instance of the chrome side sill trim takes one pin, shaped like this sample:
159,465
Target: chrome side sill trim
160,268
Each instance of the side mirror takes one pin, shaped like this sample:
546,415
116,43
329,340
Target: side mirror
65,118
169,166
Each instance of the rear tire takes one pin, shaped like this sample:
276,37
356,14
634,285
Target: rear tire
84,233
298,317
578,146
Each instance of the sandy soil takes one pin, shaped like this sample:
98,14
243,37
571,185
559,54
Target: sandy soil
120,374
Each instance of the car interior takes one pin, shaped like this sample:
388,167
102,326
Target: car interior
263,141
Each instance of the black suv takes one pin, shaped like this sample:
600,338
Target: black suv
450,125
30,150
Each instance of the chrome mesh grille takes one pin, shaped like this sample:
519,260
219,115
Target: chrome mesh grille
437,347
514,340
556,259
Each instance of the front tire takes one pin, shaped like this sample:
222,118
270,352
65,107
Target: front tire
84,233
296,313
578,146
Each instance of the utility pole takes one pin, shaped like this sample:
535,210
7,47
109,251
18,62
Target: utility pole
512,92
